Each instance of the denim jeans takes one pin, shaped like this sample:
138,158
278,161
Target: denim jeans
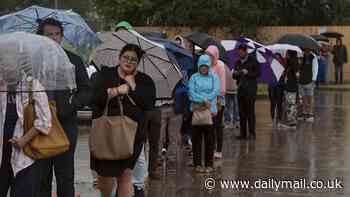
231,108
140,170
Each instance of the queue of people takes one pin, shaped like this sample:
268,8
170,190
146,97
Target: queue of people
123,101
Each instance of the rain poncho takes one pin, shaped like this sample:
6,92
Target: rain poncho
205,88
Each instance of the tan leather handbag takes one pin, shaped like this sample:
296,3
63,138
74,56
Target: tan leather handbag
113,137
201,115
44,146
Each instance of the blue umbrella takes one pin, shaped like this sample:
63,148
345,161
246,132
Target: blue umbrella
182,56
76,31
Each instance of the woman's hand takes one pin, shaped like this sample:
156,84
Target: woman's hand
19,142
207,104
123,89
244,71
130,79
113,92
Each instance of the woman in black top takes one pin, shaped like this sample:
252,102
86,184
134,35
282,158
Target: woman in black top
291,87
116,82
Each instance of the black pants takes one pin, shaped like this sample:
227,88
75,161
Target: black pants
247,113
276,98
24,184
63,165
152,126
339,74
198,132
218,127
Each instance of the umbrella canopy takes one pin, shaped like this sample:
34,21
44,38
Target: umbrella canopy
182,56
25,55
283,48
331,34
320,38
155,62
203,40
154,34
271,69
76,31
300,40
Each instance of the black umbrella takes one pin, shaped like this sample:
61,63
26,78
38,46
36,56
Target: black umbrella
300,40
154,34
203,40
331,34
320,38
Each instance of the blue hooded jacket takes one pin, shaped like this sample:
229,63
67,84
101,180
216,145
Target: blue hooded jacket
204,87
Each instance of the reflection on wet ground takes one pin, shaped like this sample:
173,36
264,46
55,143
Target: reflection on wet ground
315,151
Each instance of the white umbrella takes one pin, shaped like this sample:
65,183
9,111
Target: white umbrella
155,62
229,44
283,48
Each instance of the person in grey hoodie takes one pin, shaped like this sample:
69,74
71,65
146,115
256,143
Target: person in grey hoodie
231,103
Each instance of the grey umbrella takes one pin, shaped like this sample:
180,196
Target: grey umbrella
155,62
300,40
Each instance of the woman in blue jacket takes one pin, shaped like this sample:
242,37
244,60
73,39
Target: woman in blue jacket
204,87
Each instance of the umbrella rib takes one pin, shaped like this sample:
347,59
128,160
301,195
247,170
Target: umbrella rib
165,60
143,64
37,13
154,65
22,17
120,38
49,15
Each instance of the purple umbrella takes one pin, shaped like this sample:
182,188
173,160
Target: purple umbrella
271,69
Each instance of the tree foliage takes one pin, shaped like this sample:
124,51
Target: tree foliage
226,12
242,16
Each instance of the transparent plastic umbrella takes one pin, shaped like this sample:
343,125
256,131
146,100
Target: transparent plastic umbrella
25,55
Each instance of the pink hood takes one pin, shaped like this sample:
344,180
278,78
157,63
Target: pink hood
218,67
214,51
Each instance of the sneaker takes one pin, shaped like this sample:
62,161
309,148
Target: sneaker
309,118
164,151
138,192
199,169
218,155
189,142
237,125
288,126
301,117
228,125
209,170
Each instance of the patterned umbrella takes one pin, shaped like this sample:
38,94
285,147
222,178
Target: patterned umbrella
76,31
271,69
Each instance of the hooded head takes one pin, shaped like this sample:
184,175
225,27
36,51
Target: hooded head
213,51
242,50
204,64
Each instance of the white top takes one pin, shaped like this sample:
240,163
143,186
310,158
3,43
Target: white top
19,160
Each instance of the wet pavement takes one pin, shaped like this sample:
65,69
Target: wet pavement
297,160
